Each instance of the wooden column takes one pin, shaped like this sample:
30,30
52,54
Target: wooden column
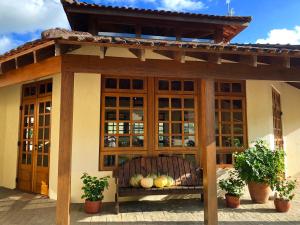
209,151
65,149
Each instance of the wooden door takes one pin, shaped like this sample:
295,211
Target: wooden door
277,120
34,152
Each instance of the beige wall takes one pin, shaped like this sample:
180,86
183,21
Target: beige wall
9,131
260,118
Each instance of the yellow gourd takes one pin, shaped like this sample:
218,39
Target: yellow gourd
161,182
147,182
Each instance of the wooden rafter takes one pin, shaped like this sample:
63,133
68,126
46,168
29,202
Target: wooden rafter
102,52
250,60
139,53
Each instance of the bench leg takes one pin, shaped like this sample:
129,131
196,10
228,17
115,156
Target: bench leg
117,206
202,197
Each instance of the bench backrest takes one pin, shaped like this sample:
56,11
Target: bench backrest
183,172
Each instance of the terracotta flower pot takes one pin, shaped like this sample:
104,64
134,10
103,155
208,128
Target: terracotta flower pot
282,205
232,201
259,192
92,207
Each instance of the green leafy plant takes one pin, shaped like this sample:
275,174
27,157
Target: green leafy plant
233,185
285,189
260,164
93,187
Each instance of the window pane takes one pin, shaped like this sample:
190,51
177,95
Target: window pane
176,128
237,104
124,102
138,128
138,141
123,159
110,83
138,102
45,161
42,89
176,141
188,85
189,116
138,115
124,128
47,132
163,85
138,84
163,128
189,141
124,83
236,87
39,160
163,103
49,87
163,141
47,120
225,104
226,129
176,116
238,128
226,116
124,115
46,146
225,87
189,128
176,103
189,103
238,117
41,120
228,158
124,141
226,142
110,114
163,115
238,142
176,85
110,128
109,160
110,141
110,101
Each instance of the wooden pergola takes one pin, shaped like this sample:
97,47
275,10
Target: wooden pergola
53,54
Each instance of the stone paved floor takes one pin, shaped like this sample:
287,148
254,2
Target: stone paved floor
17,208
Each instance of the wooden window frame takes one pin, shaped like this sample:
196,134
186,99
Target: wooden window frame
219,95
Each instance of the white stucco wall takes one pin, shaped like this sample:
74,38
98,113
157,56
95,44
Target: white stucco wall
9,132
260,118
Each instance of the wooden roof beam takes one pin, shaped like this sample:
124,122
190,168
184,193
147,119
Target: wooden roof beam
178,56
1,72
102,52
215,58
281,61
139,53
250,60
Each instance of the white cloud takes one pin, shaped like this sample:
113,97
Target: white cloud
7,43
21,16
182,5
282,36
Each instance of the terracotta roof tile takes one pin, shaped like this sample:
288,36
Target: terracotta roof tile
245,19
75,36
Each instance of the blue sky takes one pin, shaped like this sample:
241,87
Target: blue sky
274,21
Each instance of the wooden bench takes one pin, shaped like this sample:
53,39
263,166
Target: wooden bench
188,178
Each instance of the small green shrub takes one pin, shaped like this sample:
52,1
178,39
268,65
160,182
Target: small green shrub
260,164
233,185
93,187
285,189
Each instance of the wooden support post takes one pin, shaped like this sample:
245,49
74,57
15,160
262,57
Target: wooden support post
65,149
250,60
1,71
209,152
102,52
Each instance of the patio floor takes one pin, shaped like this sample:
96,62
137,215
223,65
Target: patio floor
17,208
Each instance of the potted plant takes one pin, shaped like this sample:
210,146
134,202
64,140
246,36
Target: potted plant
234,187
259,167
93,188
285,192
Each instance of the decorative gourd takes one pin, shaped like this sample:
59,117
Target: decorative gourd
161,181
147,182
171,181
135,180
